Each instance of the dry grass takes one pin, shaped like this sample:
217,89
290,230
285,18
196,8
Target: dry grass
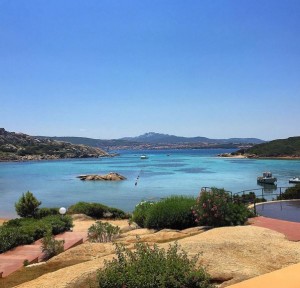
29,273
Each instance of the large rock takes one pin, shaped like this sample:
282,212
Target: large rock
229,254
112,176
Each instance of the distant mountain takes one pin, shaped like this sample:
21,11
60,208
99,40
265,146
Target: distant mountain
289,147
89,141
158,138
153,140
19,146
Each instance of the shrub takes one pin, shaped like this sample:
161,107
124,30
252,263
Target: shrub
140,213
152,267
96,210
27,205
290,193
51,246
26,230
43,212
12,237
101,232
174,212
215,208
58,223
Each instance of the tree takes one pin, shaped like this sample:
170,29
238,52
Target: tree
27,205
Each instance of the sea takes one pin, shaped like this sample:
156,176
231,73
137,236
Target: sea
164,173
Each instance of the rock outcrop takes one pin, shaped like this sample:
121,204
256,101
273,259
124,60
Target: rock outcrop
229,254
112,176
22,147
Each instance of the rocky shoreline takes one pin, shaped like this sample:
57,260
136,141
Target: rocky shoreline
22,147
253,156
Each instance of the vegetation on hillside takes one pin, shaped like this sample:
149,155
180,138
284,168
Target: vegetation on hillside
174,212
34,224
97,210
19,146
215,207
276,148
147,267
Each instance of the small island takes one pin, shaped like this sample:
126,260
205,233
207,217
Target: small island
112,176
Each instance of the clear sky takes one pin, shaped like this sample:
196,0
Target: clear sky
109,69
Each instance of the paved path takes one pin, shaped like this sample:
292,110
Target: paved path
290,229
13,260
288,277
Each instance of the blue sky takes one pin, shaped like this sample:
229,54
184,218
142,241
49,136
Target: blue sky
109,69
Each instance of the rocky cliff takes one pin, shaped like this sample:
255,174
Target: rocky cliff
22,147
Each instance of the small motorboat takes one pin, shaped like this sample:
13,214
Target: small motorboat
295,180
267,178
144,157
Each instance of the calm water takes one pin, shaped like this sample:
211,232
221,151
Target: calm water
284,210
182,172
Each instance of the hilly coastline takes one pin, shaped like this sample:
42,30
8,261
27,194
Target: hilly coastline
280,148
22,147
152,140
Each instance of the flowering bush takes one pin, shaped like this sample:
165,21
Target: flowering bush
216,208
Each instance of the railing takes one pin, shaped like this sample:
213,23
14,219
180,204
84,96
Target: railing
265,192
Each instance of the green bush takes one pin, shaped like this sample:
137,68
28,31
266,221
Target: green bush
216,208
96,210
152,267
27,205
58,223
290,193
11,237
140,213
51,246
22,231
174,212
101,232
43,212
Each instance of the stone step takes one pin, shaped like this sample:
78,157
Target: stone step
13,260
10,264
6,269
71,239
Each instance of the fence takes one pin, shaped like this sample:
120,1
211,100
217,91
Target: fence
264,194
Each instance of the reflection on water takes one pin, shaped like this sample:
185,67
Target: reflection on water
284,210
268,188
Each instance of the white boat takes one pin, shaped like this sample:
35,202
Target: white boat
144,157
295,180
267,178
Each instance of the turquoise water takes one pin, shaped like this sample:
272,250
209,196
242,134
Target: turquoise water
182,172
